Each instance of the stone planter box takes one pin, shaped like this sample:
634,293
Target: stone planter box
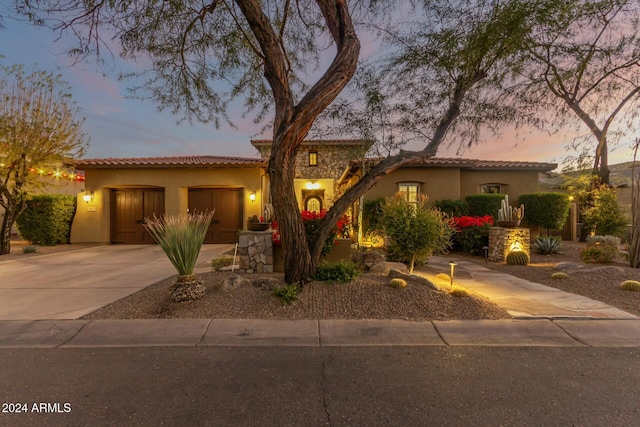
503,240
341,251
258,226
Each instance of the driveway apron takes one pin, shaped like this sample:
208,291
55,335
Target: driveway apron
69,285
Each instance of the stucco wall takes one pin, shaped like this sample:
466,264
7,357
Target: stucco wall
92,221
436,183
514,183
453,183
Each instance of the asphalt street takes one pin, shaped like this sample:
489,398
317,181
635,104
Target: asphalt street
321,386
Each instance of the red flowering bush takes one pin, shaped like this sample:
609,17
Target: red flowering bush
311,221
472,233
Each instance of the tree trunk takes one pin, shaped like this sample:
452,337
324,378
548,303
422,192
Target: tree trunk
5,231
412,263
298,266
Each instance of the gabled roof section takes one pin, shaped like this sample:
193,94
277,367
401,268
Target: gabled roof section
344,142
171,162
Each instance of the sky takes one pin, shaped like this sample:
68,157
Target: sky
119,126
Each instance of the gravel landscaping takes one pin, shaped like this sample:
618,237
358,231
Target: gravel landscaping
367,297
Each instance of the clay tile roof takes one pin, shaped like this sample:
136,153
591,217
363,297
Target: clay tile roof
488,164
267,142
171,162
474,164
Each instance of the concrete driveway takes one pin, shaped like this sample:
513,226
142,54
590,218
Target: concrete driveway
69,285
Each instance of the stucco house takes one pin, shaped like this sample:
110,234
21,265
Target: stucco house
120,193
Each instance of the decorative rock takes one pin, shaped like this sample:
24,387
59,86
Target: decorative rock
234,282
187,288
384,267
265,284
366,260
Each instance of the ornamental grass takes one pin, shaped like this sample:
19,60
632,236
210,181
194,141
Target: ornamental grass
180,237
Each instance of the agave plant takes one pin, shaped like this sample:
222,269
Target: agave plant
181,237
547,245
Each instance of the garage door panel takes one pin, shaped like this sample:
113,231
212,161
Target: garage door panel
129,207
227,206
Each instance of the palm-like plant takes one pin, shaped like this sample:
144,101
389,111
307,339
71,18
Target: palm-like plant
181,237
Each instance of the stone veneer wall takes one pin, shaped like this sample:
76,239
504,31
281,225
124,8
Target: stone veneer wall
332,160
502,239
255,252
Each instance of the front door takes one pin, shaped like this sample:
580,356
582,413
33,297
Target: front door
227,206
129,208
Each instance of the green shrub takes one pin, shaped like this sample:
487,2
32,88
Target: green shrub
547,210
484,204
603,240
342,271
29,249
604,216
599,253
453,207
472,233
47,219
218,263
630,285
517,258
287,294
398,283
559,276
180,237
547,245
416,231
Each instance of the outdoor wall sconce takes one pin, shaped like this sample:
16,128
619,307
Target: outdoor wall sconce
88,196
252,196
452,264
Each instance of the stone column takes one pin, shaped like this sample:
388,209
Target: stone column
255,252
504,240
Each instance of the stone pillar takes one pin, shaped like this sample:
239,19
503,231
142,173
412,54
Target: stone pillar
504,240
255,252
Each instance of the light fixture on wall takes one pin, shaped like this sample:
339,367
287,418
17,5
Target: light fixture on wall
252,196
88,196
312,185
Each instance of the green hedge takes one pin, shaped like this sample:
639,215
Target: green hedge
547,210
47,219
453,207
484,204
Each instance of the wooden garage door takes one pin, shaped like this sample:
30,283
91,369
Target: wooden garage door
129,207
227,219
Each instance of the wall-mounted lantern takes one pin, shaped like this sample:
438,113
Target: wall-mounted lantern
252,196
88,196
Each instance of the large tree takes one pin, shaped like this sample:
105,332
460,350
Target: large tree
37,128
584,65
263,49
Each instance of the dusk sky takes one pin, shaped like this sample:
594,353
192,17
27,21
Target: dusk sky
120,127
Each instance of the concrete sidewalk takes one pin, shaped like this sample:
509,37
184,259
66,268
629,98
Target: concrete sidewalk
69,285
318,333
523,299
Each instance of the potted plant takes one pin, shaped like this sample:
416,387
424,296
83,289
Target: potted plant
256,224
509,216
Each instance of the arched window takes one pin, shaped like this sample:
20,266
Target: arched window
313,204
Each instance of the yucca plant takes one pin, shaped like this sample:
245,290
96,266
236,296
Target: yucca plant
181,237
547,245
